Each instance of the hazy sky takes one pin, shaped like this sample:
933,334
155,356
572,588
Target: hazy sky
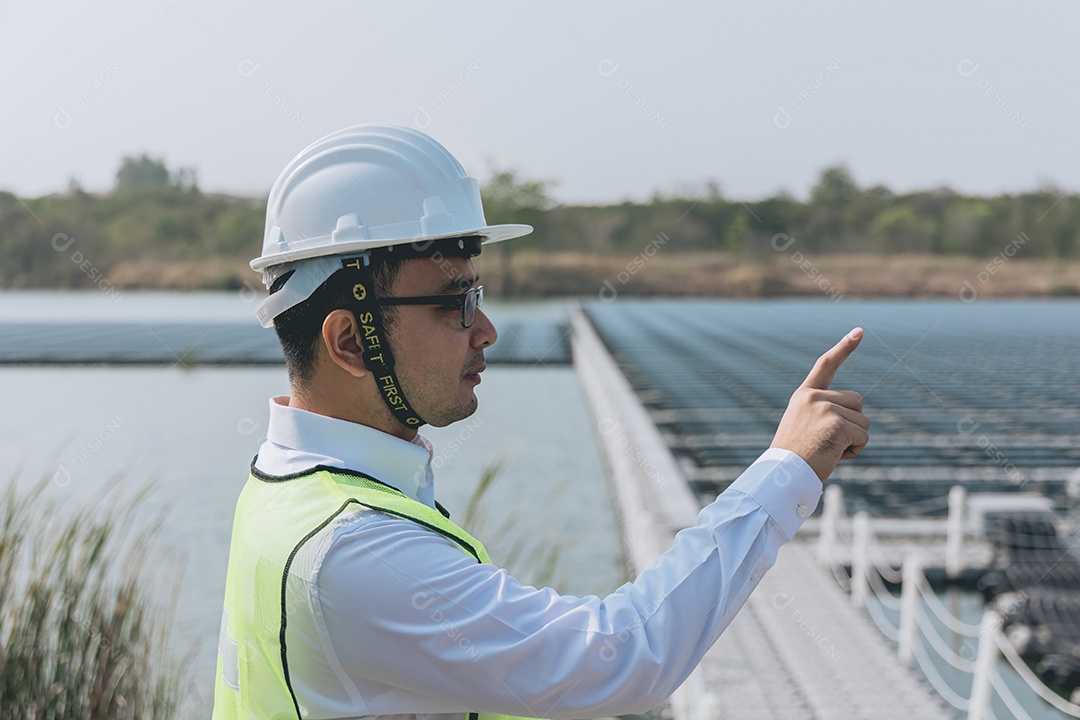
610,100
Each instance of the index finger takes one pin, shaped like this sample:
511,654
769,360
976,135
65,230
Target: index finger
827,365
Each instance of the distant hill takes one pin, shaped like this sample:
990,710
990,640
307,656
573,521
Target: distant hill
161,231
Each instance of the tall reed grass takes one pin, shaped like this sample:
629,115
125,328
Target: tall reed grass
82,634
524,541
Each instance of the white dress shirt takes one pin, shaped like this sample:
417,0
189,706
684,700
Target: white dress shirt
411,627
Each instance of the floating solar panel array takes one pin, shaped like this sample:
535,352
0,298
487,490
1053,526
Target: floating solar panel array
985,395
226,343
1034,579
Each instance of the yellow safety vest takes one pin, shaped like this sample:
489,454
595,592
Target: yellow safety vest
279,526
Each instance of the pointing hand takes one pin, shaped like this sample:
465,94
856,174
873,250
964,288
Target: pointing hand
820,425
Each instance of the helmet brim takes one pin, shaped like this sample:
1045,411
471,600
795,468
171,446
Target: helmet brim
489,233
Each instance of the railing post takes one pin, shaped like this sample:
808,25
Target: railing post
830,516
909,605
860,558
985,659
955,531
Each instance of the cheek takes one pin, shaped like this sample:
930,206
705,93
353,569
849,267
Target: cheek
435,343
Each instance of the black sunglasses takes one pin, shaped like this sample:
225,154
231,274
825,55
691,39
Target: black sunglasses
468,303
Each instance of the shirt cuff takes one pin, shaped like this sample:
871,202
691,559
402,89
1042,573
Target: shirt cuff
784,485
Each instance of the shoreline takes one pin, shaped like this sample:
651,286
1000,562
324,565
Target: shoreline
831,277
527,275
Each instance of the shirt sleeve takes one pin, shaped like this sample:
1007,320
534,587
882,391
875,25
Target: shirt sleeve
405,607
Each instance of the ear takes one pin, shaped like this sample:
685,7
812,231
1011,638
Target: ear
339,334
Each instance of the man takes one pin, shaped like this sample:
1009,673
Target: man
350,592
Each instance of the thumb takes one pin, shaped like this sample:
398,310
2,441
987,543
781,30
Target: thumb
826,366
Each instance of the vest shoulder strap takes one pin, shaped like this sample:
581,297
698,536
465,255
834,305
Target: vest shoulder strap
378,496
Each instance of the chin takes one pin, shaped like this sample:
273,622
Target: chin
452,416
469,408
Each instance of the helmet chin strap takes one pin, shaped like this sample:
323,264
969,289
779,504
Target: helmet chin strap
377,356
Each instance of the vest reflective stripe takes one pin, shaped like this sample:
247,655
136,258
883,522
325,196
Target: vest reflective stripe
281,528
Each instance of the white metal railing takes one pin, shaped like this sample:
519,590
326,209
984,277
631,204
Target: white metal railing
831,513
926,664
942,613
955,659
1009,653
918,606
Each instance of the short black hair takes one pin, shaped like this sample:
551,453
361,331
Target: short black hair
299,329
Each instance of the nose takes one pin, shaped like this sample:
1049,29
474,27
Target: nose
483,331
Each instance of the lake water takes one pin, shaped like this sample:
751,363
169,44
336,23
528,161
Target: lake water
191,434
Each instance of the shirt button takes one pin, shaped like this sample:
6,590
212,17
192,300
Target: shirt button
802,511
755,576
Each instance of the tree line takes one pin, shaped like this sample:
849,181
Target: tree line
155,216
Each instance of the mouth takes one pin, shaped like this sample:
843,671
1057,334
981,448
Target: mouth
474,375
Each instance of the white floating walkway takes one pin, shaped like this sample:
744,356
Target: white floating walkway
797,649
926,538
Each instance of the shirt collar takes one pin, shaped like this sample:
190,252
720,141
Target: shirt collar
403,464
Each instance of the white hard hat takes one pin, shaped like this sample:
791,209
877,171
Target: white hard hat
361,188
